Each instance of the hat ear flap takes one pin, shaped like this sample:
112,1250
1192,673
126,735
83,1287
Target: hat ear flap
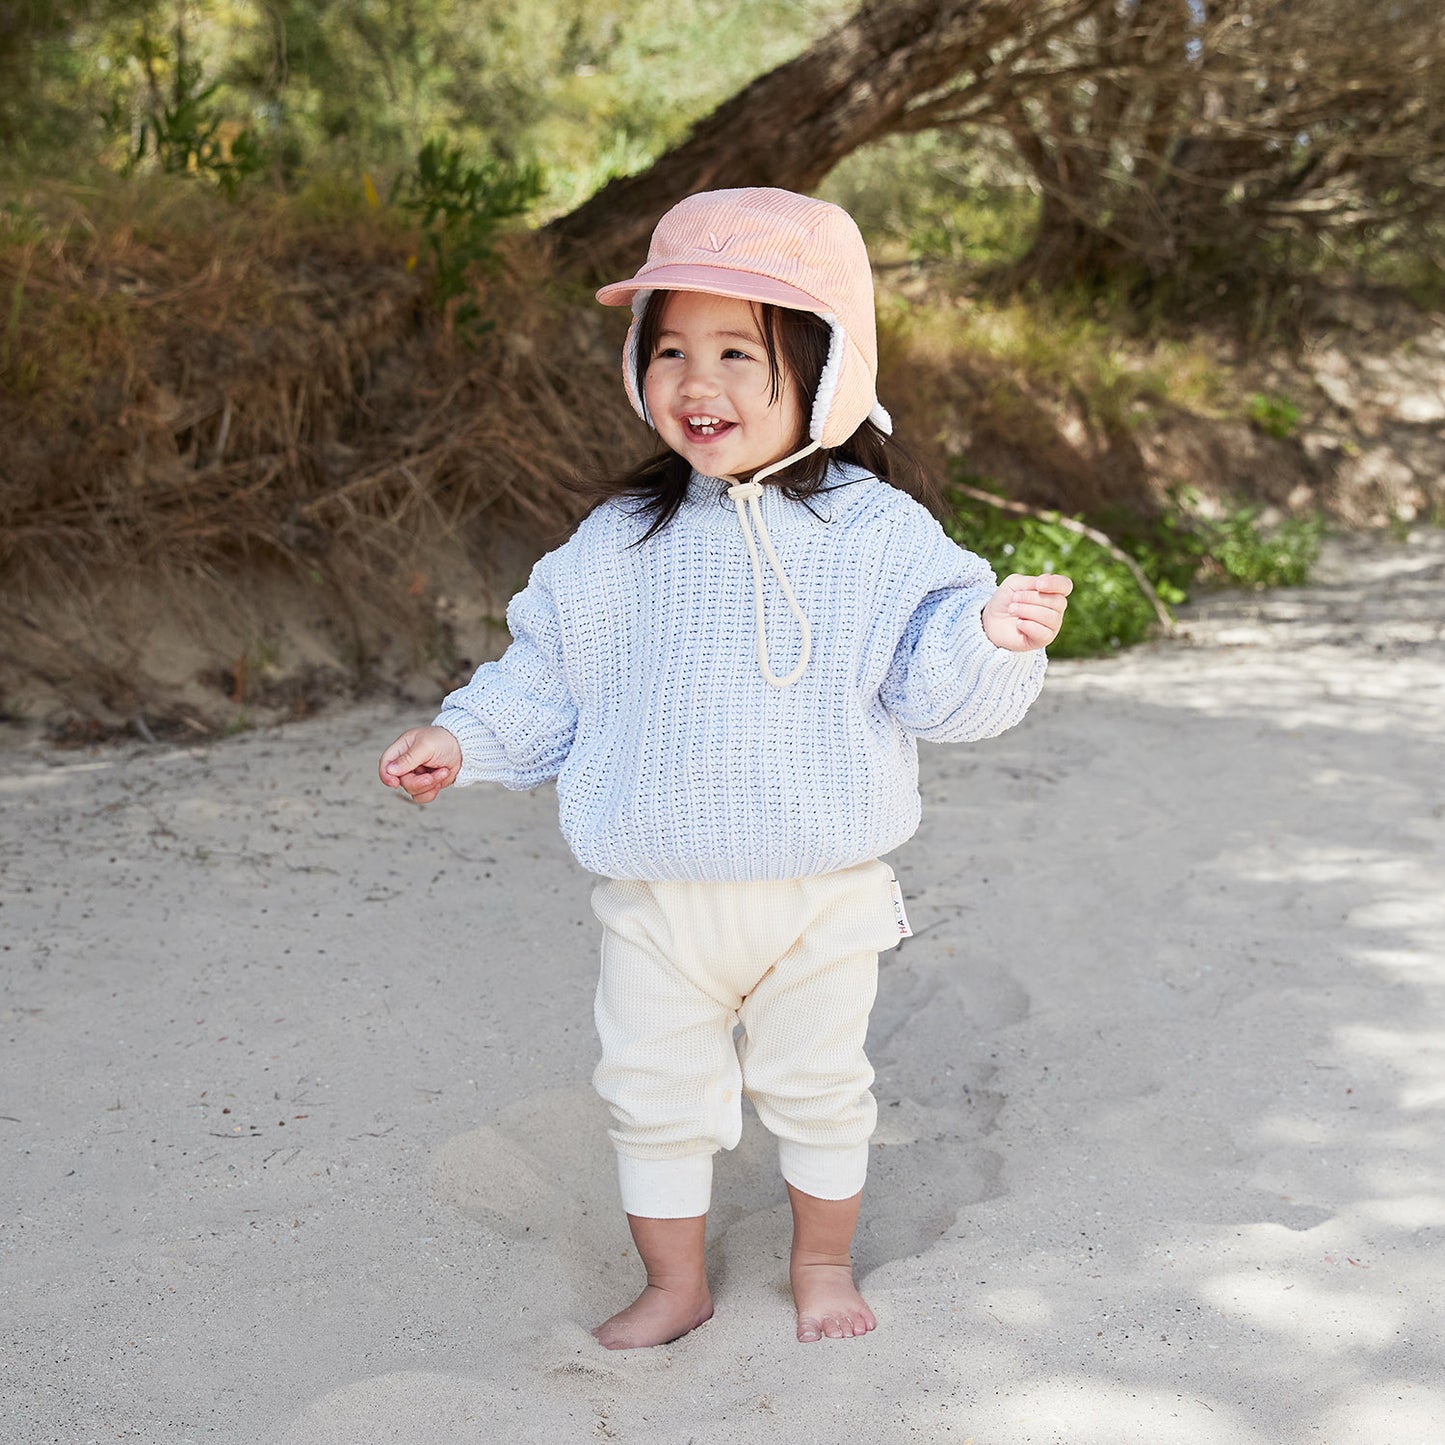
631,372
828,379
845,397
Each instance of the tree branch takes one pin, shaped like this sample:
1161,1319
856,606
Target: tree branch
1102,539
792,126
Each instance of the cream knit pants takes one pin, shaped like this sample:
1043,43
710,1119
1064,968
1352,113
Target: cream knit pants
795,962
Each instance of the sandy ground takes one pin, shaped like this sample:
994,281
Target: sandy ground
300,1147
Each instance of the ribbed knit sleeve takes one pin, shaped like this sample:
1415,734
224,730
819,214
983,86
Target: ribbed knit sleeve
948,683
516,718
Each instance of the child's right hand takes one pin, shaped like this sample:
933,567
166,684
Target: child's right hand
422,761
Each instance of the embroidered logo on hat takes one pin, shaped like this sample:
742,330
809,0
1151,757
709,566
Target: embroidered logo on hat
713,244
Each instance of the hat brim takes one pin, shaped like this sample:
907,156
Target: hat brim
717,280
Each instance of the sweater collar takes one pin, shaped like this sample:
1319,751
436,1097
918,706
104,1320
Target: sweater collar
707,507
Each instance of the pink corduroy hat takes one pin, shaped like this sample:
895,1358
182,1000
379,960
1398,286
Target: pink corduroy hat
762,244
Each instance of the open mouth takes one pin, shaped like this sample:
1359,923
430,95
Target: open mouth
706,426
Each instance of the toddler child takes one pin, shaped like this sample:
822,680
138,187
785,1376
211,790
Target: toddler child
726,669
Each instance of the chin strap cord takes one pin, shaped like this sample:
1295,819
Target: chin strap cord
745,498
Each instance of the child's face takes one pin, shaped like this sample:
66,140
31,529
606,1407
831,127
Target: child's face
708,388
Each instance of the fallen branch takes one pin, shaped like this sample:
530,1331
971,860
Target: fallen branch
1166,621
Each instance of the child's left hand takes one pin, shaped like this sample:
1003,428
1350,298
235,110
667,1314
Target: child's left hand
1026,612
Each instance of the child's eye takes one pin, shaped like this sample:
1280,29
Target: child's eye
732,351
666,351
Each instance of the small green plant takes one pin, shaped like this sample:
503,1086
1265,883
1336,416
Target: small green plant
1250,555
1275,416
1182,548
461,208
184,131
1107,610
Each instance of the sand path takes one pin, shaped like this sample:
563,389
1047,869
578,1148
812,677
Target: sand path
300,1149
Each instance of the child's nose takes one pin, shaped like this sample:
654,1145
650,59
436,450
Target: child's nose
699,381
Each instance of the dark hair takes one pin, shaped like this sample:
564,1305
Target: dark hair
797,345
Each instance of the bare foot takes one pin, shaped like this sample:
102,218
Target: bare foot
828,1302
656,1316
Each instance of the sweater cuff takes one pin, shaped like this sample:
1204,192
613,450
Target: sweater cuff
483,757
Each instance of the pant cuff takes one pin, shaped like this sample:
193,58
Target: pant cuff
823,1172
665,1188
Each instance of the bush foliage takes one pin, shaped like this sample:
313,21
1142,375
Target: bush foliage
460,208
1178,551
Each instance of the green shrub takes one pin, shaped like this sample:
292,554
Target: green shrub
461,207
1176,551
1184,549
184,131
1107,609
1250,556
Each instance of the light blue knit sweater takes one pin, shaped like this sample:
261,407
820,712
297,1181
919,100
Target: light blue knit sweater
633,679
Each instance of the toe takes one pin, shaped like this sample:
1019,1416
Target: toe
809,1329
832,1328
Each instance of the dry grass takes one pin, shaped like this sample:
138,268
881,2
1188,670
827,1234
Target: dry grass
194,407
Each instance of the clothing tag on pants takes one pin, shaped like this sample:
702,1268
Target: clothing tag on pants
904,931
